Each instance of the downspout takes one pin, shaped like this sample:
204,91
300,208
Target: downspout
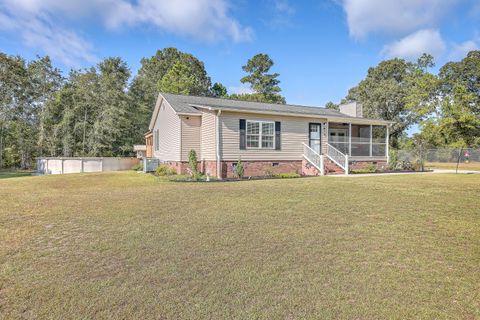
217,133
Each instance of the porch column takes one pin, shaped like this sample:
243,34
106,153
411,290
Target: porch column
350,139
327,137
371,138
387,146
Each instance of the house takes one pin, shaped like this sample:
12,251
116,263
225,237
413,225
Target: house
267,138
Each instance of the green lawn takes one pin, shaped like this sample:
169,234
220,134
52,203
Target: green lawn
130,246
4,174
452,165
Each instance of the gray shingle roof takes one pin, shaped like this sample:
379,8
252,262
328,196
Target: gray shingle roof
184,104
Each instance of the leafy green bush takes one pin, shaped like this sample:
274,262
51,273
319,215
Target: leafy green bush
238,169
288,175
356,171
137,167
393,159
164,170
370,168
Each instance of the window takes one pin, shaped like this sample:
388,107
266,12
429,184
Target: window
260,134
379,141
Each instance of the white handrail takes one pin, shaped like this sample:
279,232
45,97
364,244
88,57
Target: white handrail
337,157
314,158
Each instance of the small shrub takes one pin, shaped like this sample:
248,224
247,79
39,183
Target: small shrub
268,172
419,165
288,175
164,170
404,165
238,170
192,162
137,167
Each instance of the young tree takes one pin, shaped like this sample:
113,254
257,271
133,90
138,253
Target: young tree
332,106
265,85
144,88
112,117
17,131
180,80
45,81
259,79
218,90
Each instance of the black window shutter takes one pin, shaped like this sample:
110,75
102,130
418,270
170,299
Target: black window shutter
278,142
243,138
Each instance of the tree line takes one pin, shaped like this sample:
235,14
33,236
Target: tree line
445,106
103,111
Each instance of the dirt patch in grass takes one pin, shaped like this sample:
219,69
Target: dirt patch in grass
128,245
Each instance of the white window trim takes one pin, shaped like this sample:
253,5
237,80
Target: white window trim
259,135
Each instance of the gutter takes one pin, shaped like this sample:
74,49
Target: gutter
217,140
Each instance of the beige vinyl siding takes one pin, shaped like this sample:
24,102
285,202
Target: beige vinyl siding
169,129
190,135
208,136
294,131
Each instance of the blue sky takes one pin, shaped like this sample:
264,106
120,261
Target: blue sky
320,48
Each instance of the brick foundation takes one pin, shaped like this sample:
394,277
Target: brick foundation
251,168
180,167
264,168
308,169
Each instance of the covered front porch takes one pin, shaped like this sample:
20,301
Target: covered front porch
360,142
347,145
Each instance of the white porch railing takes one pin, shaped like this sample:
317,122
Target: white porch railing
338,157
314,158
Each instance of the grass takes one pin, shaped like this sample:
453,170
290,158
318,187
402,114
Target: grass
128,245
453,166
4,174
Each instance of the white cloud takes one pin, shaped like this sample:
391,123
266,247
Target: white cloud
414,45
282,13
460,50
38,22
37,31
201,19
393,16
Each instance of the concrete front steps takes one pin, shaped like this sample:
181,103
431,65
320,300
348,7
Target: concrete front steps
331,168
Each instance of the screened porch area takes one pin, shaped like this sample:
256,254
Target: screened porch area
359,141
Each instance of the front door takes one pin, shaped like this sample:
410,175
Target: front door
315,137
